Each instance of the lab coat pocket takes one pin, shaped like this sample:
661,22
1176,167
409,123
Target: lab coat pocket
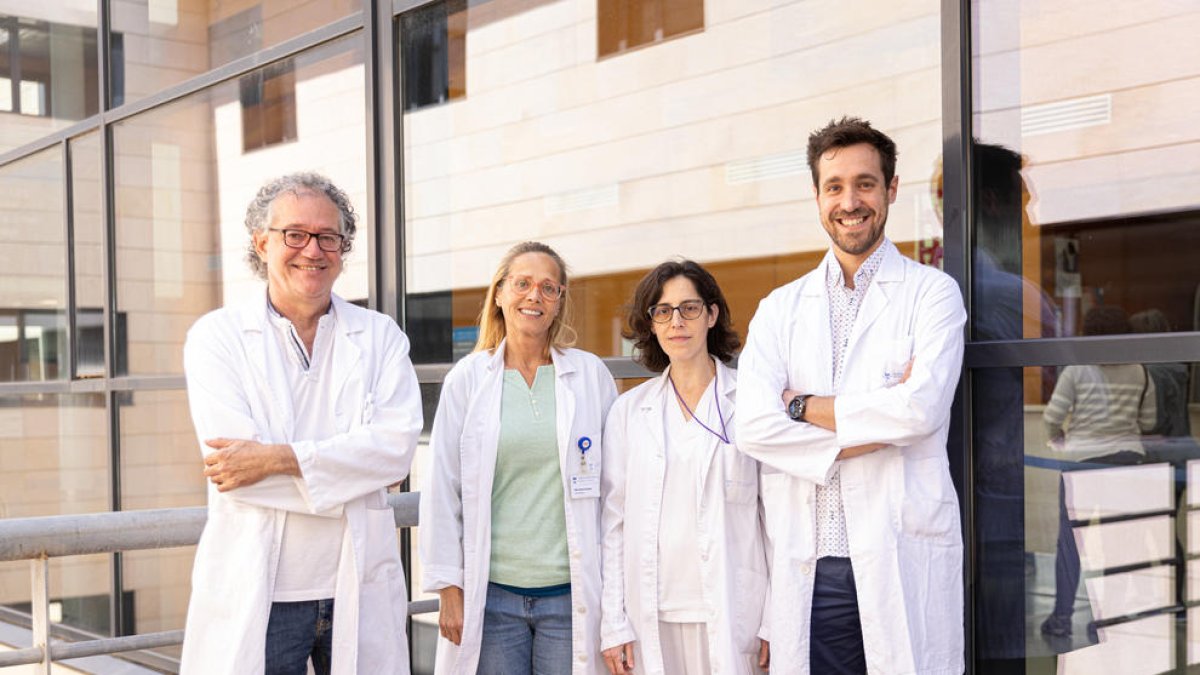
741,477
896,355
788,513
750,595
929,509
382,557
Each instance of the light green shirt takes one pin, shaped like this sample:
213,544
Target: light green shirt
529,526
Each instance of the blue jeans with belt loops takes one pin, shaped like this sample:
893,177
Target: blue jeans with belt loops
297,631
524,635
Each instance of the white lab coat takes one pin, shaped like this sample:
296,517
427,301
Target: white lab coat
733,565
901,510
456,501
238,388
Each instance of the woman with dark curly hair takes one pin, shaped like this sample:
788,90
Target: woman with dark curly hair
685,569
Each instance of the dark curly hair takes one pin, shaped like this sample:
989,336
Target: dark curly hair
722,339
258,214
846,132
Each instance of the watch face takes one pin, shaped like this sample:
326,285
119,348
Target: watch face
796,408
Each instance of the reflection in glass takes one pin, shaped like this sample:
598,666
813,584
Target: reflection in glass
54,461
626,24
185,172
1082,522
87,222
48,69
161,467
33,291
164,43
1107,210
685,147
157,586
161,463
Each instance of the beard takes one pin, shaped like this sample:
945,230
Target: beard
861,242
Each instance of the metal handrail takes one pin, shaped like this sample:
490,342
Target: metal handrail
39,539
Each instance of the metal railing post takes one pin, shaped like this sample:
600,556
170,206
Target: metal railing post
39,572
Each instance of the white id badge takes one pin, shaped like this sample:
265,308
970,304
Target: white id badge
585,486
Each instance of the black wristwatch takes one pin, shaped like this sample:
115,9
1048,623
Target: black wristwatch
797,406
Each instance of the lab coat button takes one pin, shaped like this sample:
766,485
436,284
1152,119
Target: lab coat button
575,554
582,610
806,569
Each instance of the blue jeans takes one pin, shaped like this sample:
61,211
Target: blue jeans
297,631
523,635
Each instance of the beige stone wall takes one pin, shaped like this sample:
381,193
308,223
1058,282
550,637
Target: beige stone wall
622,162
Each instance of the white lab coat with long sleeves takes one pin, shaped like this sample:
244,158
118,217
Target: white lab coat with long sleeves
456,500
733,564
238,388
901,509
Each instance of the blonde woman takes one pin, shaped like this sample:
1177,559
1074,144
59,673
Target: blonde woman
510,535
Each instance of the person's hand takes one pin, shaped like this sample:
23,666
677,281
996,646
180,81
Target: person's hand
788,395
238,463
764,655
907,371
619,659
450,615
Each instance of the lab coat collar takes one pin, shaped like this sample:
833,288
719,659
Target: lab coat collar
662,391
891,269
254,319
562,363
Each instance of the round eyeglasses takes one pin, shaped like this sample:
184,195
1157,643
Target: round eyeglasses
688,309
326,241
551,292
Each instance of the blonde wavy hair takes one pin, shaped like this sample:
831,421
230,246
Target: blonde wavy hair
491,319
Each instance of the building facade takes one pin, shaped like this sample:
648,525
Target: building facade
1049,162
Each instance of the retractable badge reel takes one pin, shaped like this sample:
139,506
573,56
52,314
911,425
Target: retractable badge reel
585,482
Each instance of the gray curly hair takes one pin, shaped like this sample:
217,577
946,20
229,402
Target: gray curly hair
258,214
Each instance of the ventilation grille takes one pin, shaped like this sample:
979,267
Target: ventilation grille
763,168
582,200
1064,115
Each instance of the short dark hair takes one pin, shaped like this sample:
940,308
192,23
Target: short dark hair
1106,320
722,339
846,132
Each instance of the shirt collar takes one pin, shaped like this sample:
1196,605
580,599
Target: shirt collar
278,318
866,271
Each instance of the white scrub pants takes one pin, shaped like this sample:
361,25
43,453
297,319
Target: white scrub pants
684,648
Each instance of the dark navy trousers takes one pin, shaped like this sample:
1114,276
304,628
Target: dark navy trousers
836,642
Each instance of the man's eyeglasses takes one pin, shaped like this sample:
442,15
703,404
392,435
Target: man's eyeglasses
551,292
326,241
688,309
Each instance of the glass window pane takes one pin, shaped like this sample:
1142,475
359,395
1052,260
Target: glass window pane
161,463
693,146
161,467
1082,516
33,292
54,461
1087,166
184,178
88,244
48,69
164,43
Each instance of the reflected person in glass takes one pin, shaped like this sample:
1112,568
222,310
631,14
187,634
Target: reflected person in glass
510,531
685,566
1095,418
306,408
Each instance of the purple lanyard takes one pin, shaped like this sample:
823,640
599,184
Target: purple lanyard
723,436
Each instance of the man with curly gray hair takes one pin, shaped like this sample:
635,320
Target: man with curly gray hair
306,408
